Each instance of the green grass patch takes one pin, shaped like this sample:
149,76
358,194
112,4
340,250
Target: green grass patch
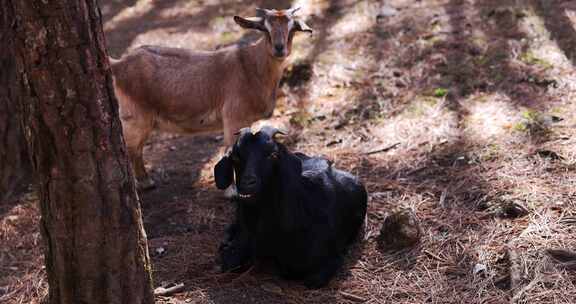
532,122
420,106
520,127
440,92
531,59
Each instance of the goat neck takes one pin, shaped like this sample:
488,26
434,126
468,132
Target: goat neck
287,193
259,64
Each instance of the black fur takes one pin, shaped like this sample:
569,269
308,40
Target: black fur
302,213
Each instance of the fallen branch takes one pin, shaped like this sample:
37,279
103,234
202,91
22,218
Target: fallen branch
161,291
386,149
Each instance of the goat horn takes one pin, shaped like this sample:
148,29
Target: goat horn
293,11
263,11
241,133
271,131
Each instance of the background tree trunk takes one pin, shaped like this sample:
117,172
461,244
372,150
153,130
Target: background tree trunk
95,244
14,164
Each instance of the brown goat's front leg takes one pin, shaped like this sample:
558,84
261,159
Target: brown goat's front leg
230,134
142,178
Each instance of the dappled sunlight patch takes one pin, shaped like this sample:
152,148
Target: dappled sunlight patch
301,47
542,50
336,74
426,121
206,171
490,118
535,181
360,18
138,10
345,61
185,9
221,30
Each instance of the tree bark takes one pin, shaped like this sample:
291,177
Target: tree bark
95,244
14,165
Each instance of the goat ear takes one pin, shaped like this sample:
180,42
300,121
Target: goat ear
224,173
255,23
300,26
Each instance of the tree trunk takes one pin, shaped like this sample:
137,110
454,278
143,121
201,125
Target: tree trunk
95,244
14,165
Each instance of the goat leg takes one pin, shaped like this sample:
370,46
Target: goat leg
322,276
144,182
235,251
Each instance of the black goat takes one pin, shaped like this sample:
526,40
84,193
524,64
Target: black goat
297,210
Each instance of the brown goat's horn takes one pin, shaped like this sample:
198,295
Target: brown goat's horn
293,11
263,11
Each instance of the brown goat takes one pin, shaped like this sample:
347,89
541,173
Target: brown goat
185,91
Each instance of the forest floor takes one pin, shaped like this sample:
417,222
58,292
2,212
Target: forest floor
468,106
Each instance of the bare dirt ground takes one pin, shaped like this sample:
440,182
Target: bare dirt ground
473,98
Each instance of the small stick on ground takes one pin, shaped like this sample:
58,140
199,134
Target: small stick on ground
352,297
161,291
242,275
434,256
386,149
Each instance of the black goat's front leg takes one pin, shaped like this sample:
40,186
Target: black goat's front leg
322,275
235,251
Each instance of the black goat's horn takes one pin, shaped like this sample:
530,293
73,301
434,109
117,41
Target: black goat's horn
241,133
271,131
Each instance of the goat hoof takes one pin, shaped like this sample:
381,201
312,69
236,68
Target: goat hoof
232,259
146,184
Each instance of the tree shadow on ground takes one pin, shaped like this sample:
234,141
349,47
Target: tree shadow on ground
448,193
324,23
121,34
480,52
176,165
489,66
561,28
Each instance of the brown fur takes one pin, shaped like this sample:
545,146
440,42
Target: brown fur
185,91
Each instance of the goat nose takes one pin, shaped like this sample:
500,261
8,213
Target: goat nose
250,183
279,48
